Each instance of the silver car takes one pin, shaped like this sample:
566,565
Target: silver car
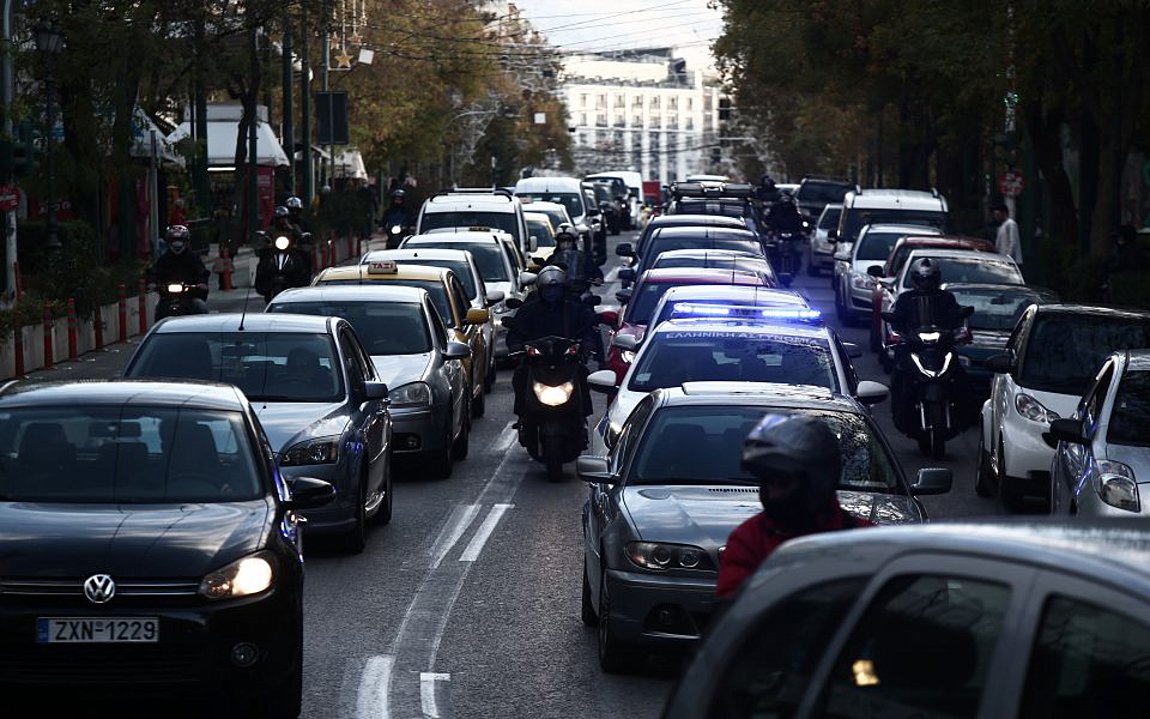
423,370
663,502
314,390
822,249
1101,464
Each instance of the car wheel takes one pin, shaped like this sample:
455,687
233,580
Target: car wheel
586,610
355,539
479,404
383,515
1008,494
982,482
440,463
615,655
462,444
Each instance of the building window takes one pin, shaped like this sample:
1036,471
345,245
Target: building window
620,120
600,102
583,119
673,103
636,120
583,100
637,101
690,123
601,119
690,104
582,138
620,100
655,122
654,102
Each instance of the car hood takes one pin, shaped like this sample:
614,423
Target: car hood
160,541
287,423
1065,405
860,266
705,515
989,339
1136,458
398,370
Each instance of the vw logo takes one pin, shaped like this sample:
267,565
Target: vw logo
99,588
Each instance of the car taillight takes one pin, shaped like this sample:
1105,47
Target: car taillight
573,350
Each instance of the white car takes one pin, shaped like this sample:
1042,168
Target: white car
462,208
1050,360
854,286
822,249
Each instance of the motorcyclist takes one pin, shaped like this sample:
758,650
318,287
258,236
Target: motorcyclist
767,192
784,215
582,272
397,215
926,304
798,463
272,275
179,266
556,313
294,206
283,223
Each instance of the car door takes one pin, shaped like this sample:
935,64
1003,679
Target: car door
472,331
370,419
1077,462
1002,387
455,369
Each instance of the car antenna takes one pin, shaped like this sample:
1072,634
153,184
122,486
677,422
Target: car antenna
244,311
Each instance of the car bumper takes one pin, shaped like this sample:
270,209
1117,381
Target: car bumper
416,430
1028,456
660,612
861,302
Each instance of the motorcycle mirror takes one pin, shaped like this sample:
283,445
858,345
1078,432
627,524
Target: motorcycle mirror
513,303
967,311
592,300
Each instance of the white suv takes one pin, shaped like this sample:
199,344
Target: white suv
465,209
853,285
903,207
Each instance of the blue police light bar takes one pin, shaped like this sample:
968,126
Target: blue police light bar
682,310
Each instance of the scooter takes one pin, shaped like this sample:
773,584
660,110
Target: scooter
285,266
553,424
181,298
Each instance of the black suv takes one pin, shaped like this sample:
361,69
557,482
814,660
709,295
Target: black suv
816,193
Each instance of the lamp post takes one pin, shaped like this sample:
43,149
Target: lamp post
50,41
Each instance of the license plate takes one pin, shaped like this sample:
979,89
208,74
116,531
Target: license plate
102,630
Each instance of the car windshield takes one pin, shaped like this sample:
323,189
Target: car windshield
505,221
266,366
558,217
830,218
126,454
973,269
1130,418
995,309
822,192
876,246
857,219
488,258
742,263
542,232
571,200
702,206
435,288
676,357
704,444
384,328
1064,351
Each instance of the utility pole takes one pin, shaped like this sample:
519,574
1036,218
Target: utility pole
9,218
288,120
326,29
305,109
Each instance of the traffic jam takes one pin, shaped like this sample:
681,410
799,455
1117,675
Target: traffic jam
726,453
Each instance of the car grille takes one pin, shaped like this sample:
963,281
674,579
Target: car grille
70,592
102,665
738,490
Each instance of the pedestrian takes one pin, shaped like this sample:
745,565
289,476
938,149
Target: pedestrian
798,463
1007,241
223,267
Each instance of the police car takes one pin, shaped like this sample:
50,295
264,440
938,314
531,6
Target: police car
780,345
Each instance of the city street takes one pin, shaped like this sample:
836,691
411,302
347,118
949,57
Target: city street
467,603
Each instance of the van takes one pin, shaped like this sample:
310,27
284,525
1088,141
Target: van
633,182
569,192
900,207
463,209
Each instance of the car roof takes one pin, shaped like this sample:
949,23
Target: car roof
466,200
549,184
889,198
477,236
1065,308
403,272
742,293
543,204
892,227
704,252
704,231
944,241
755,327
765,394
697,275
118,392
357,293
687,219
957,255
250,322
995,287
430,253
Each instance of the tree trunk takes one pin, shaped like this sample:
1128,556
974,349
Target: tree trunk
1046,136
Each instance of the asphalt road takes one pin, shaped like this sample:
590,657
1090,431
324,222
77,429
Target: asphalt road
467,604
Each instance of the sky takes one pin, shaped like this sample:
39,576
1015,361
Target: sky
594,25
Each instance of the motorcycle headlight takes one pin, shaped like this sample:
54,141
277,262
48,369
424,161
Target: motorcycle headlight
282,242
410,395
242,578
396,229
1033,410
1117,486
929,337
553,396
659,556
324,450
175,288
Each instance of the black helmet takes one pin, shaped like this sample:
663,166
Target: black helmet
398,194
767,181
799,446
293,203
282,212
177,237
551,276
926,274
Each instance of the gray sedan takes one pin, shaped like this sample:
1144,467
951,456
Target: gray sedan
663,503
314,390
423,371
1102,462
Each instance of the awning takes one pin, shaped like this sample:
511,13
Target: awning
349,163
222,143
142,132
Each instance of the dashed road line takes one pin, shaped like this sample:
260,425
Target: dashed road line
475,546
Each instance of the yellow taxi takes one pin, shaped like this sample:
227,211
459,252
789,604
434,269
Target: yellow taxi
463,322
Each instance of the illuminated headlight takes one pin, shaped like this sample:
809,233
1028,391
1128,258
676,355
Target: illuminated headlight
1031,409
175,288
659,556
1117,486
282,243
324,450
553,396
933,373
396,229
415,394
862,282
628,356
242,578
929,337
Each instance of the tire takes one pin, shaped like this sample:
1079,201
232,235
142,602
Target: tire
1008,494
615,655
983,487
462,444
440,465
354,540
938,431
552,452
586,609
383,515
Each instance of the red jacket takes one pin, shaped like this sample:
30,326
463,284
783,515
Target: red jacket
753,541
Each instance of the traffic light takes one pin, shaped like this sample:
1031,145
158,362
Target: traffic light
17,156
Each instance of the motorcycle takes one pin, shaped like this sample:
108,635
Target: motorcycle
395,235
553,425
933,383
786,253
181,298
285,267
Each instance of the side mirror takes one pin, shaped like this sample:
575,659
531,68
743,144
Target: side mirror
374,390
998,364
494,297
527,278
594,469
477,316
605,380
875,271
592,300
532,243
609,318
932,480
853,350
513,303
625,249
626,274
627,343
457,351
624,296
869,392
309,493
1065,430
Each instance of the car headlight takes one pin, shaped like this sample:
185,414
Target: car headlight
242,578
553,396
659,556
1117,486
324,450
500,309
862,282
415,394
1032,409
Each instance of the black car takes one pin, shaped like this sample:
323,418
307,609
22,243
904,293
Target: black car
816,193
149,547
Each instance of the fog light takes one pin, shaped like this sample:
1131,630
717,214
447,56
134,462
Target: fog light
666,616
245,654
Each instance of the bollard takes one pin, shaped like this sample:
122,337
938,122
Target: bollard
48,336
227,268
143,305
98,328
19,281
18,346
122,307
73,354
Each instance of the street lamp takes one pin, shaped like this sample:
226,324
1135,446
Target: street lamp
50,41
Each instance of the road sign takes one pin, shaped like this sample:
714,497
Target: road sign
1011,184
9,198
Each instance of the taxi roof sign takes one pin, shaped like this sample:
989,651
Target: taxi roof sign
479,228
382,267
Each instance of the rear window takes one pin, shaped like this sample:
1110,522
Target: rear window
974,270
487,255
1130,419
384,328
995,309
822,192
435,288
542,232
505,221
830,218
1064,351
854,220
572,201
877,245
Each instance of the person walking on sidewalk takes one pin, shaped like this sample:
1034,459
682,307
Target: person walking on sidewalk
1007,242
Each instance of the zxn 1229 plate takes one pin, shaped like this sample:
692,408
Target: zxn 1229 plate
97,630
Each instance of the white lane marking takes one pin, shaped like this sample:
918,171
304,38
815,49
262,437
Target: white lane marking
611,276
461,518
475,546
371,701
506,438
427,682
